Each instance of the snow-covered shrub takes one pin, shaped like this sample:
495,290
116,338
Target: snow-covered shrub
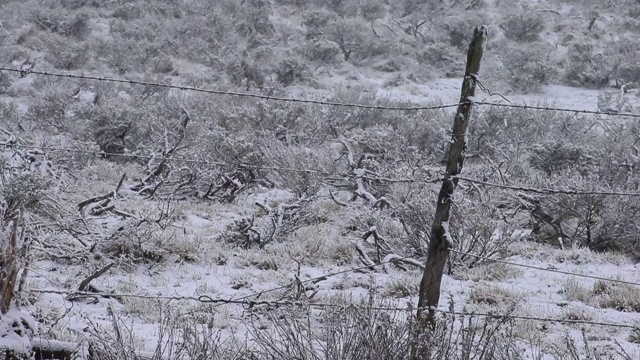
5,83
64,54
585,68
62,22
246,73
364,332
320,50
291,70
125,51
524,27
353,36
16,333
128,11
527,69
556,158
24,191
627,49
371,9
604,294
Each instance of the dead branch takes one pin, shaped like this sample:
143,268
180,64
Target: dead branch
359,174
380,242
398,260
54,349
336,200
364,258
84,283
270,236
10,141
109,196
277,217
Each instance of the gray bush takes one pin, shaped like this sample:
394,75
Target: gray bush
524,27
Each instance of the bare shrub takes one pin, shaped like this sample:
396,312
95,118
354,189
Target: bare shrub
66,55
527,70
560,157
290,71
477,230
490,272
586,68
572,348
352,333
60,22
353,37
525,27
148,238
179,336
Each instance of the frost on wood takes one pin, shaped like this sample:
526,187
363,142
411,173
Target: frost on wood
16,328
360,178
440,239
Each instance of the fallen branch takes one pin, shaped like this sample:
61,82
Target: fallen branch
397,260
109,196
84,283
364,258
10,141
379,242
54,349
336,200
359,174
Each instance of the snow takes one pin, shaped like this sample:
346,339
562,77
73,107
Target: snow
16,329
225,272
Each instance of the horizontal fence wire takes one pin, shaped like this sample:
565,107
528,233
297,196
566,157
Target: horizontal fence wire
251,304
230,93
23,73
252,300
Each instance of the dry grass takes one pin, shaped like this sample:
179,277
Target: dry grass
604,294
494,295
490,272
402,285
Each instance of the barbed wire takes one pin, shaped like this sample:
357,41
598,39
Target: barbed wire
23,73
251,304
506,262
325,276
258,294
558,109
546,190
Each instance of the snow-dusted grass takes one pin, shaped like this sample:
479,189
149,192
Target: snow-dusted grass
189,252
490,272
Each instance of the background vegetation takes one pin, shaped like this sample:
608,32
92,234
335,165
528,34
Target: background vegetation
263,216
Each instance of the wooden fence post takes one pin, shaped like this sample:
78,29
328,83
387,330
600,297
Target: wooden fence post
441,240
